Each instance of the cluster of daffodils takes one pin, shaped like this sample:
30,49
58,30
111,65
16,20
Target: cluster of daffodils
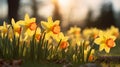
23,29
46,41
53,32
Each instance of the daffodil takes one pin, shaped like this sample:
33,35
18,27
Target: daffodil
91,56
51,26
105,41
114,31
29,23
60,37
16,28
6,29
38,34
28,35
28,27
93,32
74,30
86,33
74,35
87,43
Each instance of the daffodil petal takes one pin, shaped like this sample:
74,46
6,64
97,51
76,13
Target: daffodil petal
33,19
114,45
98,41
50,20
93,51
107,49
4,24
26,17
45,25
113,37
38,30
20,22
102,46
1,27
56,22
13,21
48,35
29,32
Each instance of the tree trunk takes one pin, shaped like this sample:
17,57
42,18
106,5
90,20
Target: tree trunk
13,6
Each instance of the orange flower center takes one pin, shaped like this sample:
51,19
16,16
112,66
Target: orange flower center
37,36
91,57
110,42
116,34
18,30
63,44
56,29
32,26
77,32
95,36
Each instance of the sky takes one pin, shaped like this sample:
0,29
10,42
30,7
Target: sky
3,8
77,9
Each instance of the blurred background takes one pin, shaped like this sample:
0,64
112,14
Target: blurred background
83,13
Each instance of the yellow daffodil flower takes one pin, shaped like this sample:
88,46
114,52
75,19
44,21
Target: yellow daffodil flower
93,32
114,31
6,29
28,35
29,23
105,41
38,34
91,57
51,26
74,30
64,44
74,35
16,27
28,27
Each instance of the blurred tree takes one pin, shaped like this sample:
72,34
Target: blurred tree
34,8
107,17
117,19
88,20
56,13
13,6
105,20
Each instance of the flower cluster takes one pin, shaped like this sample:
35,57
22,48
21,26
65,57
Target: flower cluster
23,29
45,40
